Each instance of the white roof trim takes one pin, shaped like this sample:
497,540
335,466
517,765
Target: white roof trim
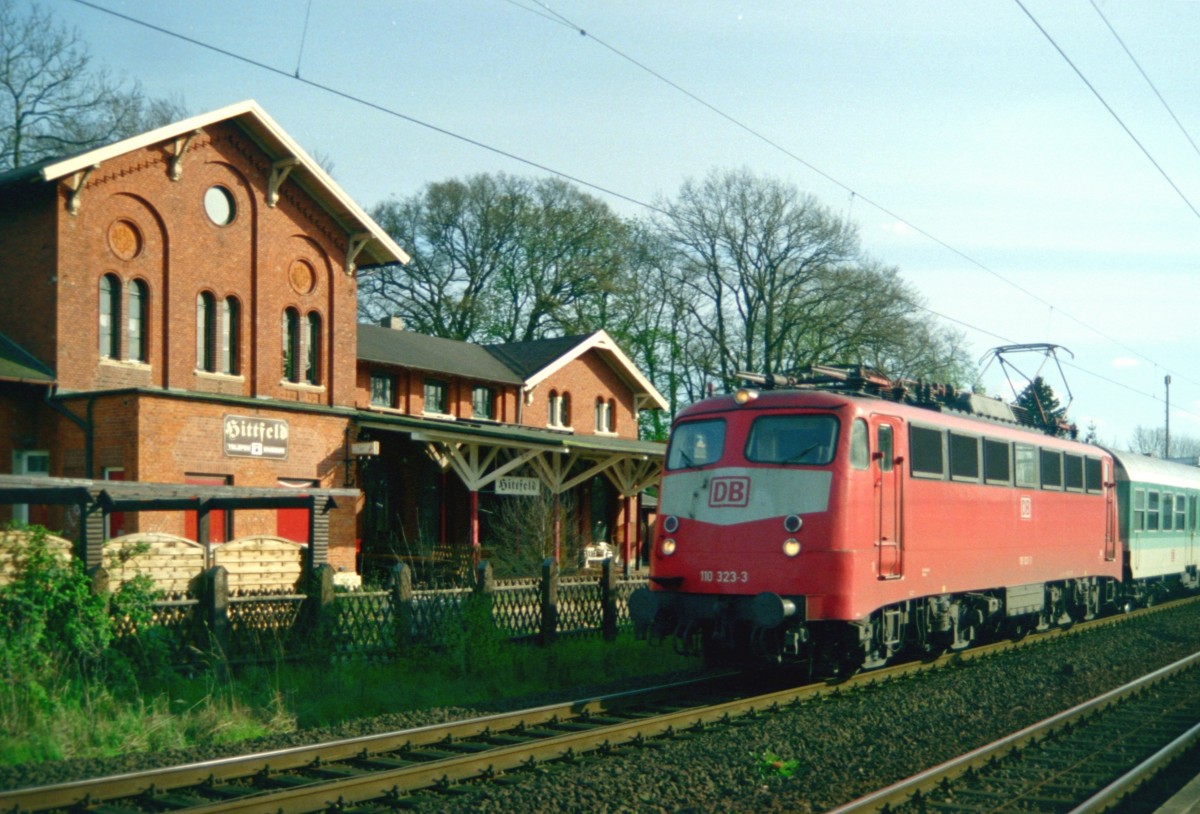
600,340
266,126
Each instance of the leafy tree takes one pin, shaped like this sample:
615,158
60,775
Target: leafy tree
768,281
497,258
54,101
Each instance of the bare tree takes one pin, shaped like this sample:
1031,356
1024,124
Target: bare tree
54,101
1153,440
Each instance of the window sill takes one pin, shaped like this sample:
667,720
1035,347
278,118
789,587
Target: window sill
219,377
302,387
125,364
438,416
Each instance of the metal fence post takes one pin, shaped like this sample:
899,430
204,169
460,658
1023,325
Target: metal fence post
608,600
402,605
549,628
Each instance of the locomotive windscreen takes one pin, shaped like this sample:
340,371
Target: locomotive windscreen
793,439
696,443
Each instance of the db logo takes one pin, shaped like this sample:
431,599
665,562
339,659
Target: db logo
729,492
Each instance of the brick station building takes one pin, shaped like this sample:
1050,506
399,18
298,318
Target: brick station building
180,308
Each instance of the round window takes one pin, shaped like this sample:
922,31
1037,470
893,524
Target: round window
219,205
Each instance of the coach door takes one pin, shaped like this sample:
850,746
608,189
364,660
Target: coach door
888,487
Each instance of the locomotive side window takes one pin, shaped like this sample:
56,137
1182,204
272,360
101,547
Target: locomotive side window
860,445
1168,511
1152,503
696,443
1092,475
1139,509
925,448
997,467
1073,472
793,439
887,455
1051,463
964,457
1026,465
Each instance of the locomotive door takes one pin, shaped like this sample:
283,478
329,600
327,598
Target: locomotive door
889,530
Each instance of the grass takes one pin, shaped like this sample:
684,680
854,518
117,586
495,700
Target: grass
70,718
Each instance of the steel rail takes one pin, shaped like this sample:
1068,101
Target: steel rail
239,768
1128,782
904,790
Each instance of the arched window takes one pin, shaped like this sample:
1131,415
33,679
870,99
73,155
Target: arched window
110,317
231,314
564,410
206,332
603,416
291,345
612,415
139,303
312,354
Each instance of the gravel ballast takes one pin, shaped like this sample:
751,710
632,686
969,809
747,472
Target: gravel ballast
842,746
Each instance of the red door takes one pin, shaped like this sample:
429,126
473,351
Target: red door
292,524
114,523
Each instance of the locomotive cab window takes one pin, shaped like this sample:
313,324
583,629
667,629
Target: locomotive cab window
887,454
794,439
696,443
926,450
860,445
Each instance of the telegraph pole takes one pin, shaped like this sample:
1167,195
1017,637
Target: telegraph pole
1167,435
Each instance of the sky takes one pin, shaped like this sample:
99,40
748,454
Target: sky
1029,167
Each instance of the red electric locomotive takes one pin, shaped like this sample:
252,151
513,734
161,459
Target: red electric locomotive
841,520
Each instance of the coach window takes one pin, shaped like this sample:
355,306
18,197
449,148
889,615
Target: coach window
860,445
1152,507
997,466
1051,464
696,443
925,447
1181,512
1093,475
1026,465
1168,511
1073,472
1139,509
964,457
887,452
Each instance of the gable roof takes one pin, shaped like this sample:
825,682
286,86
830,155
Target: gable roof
540,359
379,248
431,353
19,365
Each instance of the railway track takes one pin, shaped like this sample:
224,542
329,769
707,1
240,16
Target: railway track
389,771
1086,759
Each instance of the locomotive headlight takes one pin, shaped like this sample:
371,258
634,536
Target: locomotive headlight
745,395
791,546
668,547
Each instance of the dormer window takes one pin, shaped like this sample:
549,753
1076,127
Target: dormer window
436,400
483,402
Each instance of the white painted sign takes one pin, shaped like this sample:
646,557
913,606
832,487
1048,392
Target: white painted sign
528,487
361,448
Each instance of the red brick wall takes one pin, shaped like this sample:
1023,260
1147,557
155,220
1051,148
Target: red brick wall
136,223
27,268
585,379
